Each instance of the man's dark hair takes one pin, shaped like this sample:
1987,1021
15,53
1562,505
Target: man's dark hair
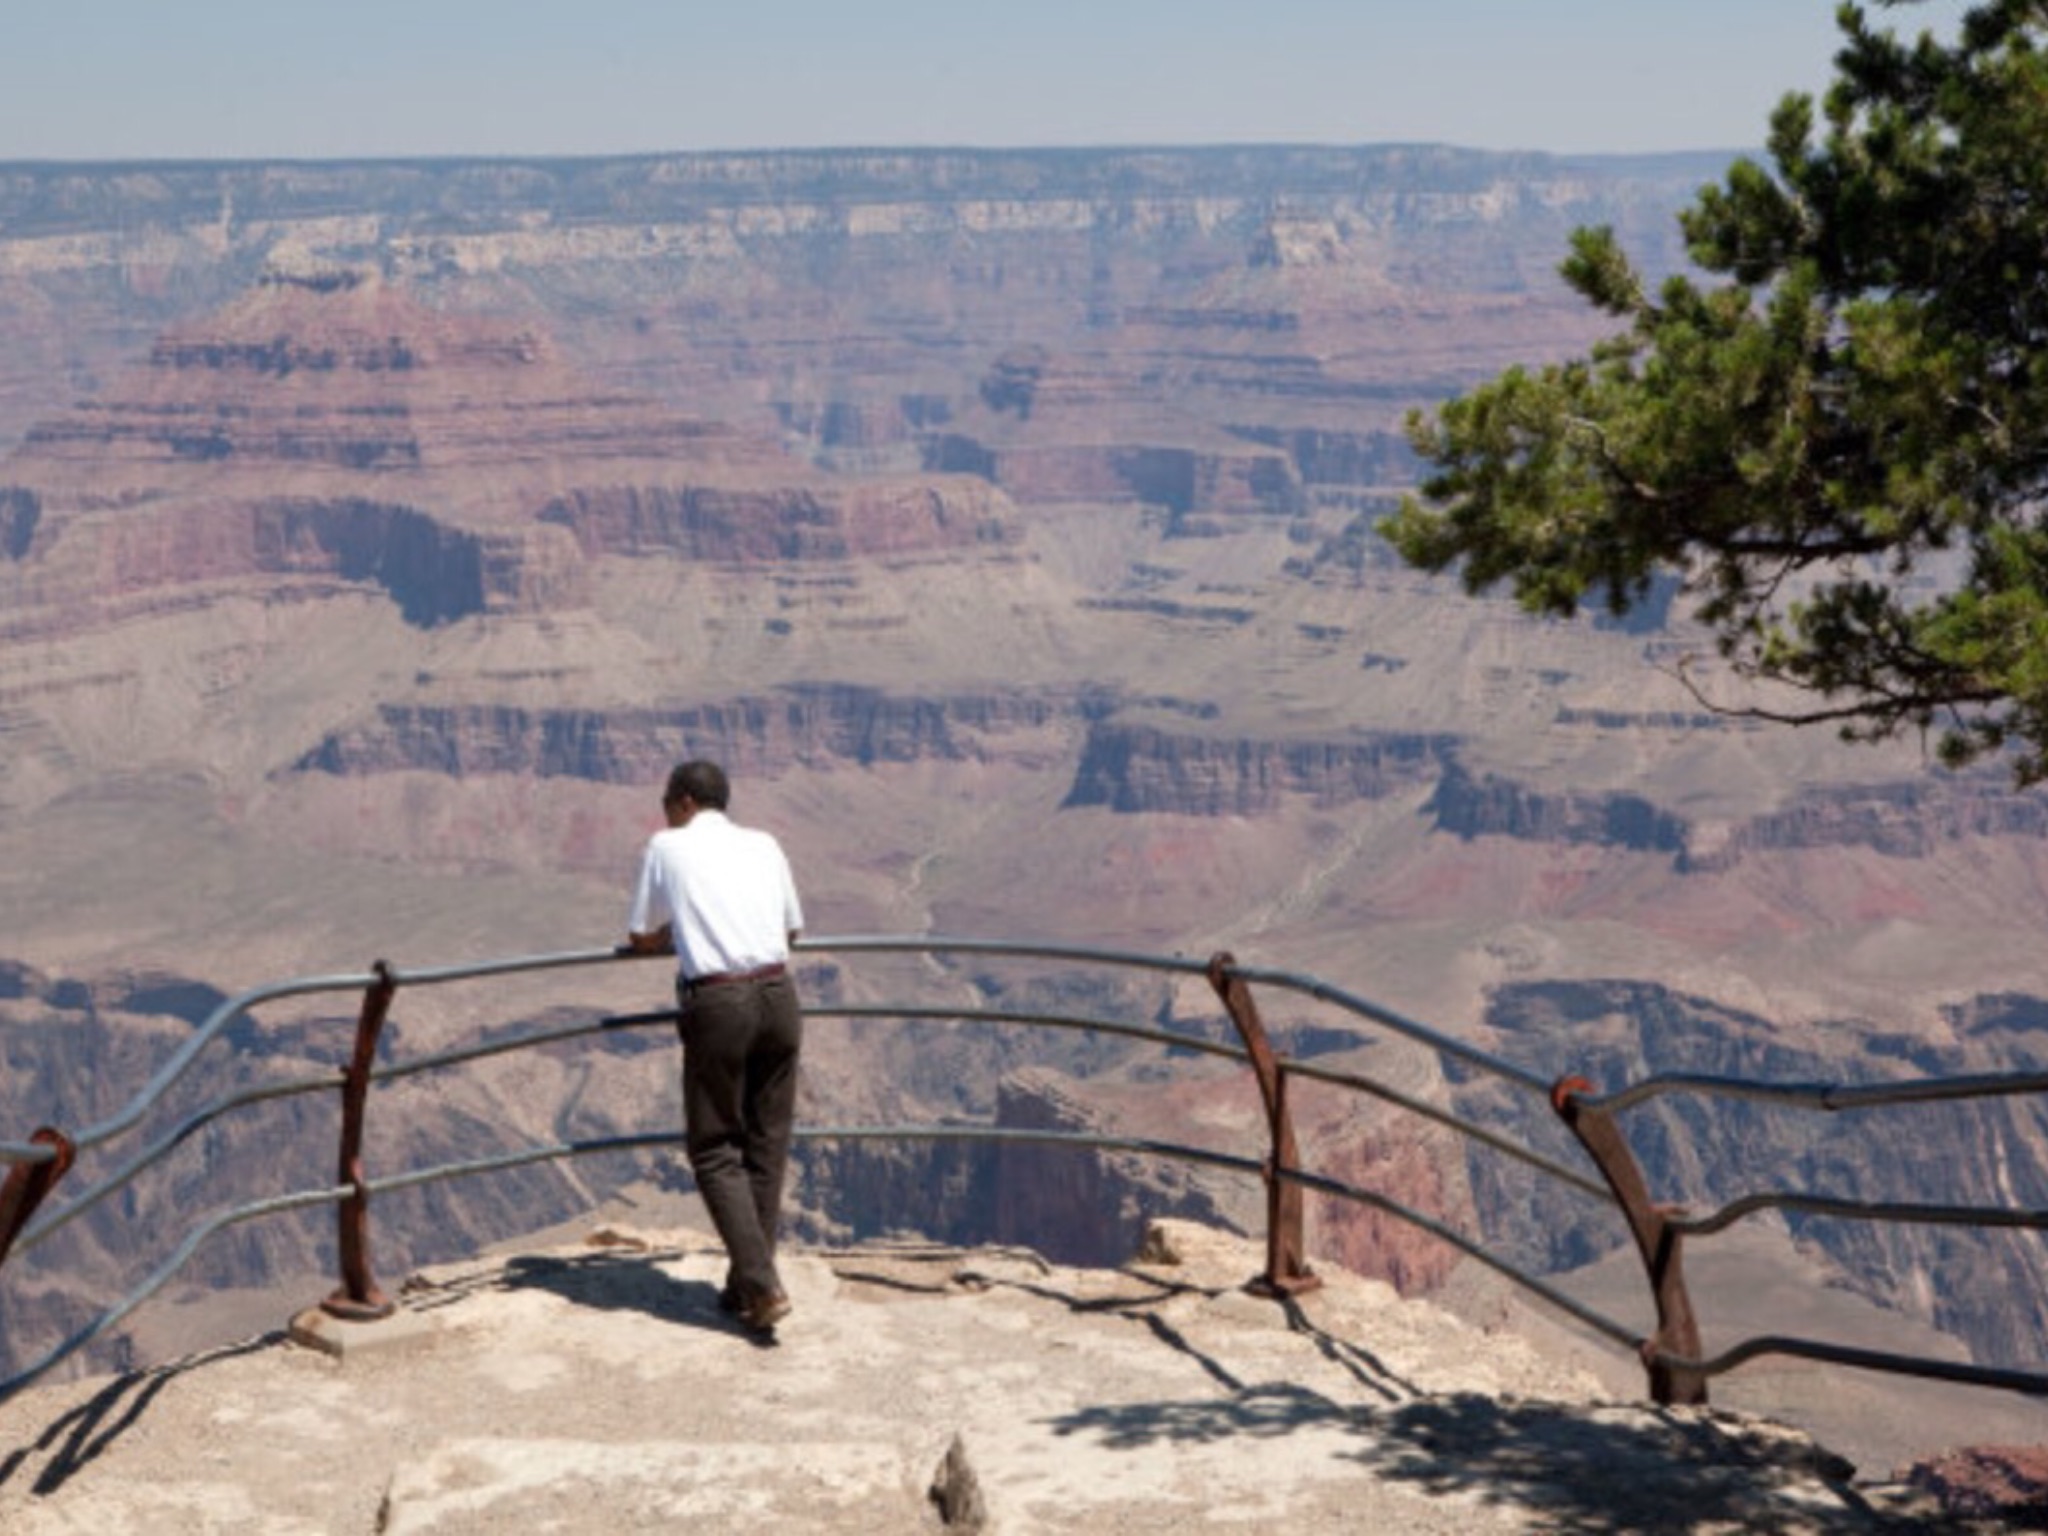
700,781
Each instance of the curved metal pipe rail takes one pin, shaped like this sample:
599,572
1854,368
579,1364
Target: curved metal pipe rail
236,1007
1901,1212
1350,1002
157,1150
1677,1365
182,1058
1824,1097
1568,1177
2031,1383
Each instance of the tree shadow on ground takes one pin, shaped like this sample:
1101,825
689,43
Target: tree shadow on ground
77,1438
1260,1412
1575,1469
1599,1469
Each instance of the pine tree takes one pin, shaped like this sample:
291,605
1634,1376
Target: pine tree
1838,438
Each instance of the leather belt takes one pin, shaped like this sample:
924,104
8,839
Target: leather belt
728,978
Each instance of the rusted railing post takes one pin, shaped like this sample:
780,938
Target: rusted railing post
27,1184
1287,1272
1657,1242
359,1299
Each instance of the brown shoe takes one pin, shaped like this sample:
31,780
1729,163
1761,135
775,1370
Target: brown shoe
765,1311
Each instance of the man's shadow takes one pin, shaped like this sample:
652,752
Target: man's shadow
629,1282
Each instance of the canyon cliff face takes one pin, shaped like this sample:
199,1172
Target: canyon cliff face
1068,1201
821,726
1256,319
1702,1151
1142,769
372,539
1904,820
1499,808
76,1050
1137,769
334,429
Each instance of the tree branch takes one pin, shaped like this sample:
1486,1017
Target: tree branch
1879,705
1598,433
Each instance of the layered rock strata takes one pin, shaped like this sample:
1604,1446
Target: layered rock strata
816,725
335,430
1254,320
1139,769
1702,1150
1143,769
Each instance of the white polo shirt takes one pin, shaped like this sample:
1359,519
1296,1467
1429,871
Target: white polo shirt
725,890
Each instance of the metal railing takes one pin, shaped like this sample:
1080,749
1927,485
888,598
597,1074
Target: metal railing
1678,1371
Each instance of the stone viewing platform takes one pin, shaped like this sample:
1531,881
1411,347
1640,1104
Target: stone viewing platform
594,1386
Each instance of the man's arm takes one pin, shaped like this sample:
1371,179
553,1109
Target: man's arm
662,941
643,937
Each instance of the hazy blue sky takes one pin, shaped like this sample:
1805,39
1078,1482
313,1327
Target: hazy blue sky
96,79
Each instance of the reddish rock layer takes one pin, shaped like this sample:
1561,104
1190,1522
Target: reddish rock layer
2006,1483
784,523
338,430
1140,768
757,736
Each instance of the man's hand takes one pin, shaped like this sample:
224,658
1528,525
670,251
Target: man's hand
659,942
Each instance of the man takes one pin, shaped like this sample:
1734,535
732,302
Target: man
721,897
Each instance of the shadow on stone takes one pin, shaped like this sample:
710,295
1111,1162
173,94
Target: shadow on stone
1253,1412
1367,1368
1132,1307
622,1283
78,1438
1601,1470
1589,1471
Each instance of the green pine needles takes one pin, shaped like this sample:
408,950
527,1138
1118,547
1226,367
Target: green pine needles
1840,446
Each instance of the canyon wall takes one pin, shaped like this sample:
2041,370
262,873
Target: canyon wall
1253,320
1701,1151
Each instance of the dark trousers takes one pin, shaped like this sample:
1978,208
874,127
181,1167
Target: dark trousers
740,1046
